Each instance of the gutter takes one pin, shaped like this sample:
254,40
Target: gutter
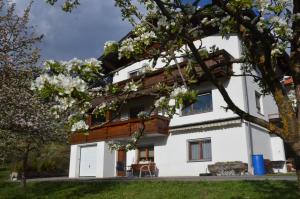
248,128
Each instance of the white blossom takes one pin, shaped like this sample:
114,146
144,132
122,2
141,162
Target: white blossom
131,87
143,115
262,4
159,101
78,126
100,107
130,45
109,44
178,90
67,84
172,102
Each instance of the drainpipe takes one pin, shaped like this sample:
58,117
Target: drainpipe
248,128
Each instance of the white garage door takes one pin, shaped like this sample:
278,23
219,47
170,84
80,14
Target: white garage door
88,161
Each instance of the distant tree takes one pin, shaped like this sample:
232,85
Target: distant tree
26,122
269,31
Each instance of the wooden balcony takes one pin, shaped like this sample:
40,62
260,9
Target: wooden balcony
156,125
218,62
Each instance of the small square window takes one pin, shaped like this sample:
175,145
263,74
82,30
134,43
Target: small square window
133,73
200,150
146,153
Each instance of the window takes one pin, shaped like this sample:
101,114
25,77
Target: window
135,73
200,150
202,105
133,112
258,101
146,153
97,120
115,115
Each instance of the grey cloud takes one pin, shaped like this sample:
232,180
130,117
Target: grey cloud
81,33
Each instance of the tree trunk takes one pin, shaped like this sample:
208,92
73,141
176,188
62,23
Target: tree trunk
297,167
24,168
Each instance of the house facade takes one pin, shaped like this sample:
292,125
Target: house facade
197,136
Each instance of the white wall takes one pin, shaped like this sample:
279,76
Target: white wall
109,165
74,161
227,145
105,160
261,142
278,152
270,146
131,158
268,103
234,86
171,153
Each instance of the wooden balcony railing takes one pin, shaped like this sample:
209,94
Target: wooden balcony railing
156,125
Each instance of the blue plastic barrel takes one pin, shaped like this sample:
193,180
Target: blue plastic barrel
258,164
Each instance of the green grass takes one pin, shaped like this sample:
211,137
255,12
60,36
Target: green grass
145,190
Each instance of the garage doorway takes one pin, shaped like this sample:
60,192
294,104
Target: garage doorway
88,159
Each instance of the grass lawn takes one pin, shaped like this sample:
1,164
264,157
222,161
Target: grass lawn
144,190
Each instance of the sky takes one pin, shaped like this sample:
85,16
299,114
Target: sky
80,34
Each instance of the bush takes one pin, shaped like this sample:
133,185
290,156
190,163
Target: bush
51,161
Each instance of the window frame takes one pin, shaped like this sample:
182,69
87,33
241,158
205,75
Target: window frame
147,147
137,72
189,152
182,113
259,103
133,73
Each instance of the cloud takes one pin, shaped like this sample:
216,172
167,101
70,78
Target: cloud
81,33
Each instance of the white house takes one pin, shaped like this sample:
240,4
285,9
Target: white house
197,136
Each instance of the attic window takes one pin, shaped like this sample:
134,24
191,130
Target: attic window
134,73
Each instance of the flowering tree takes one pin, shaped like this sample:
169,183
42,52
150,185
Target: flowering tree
25,120
269,32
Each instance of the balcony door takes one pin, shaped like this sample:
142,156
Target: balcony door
134,111
121,163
